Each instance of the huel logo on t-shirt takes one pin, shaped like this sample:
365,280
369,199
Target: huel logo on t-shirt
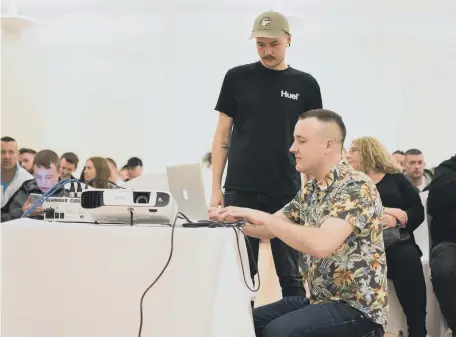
287,95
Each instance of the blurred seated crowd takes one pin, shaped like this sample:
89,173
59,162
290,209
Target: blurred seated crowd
400,177
26,171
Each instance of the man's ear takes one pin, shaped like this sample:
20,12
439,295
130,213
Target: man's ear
330,144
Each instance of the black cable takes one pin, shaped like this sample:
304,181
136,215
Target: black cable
131,216
141,313
249,252
211,224
106,181
236,225
182,216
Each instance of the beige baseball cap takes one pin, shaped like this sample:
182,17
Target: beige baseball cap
270,24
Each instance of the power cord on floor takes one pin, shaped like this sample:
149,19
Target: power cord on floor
204,223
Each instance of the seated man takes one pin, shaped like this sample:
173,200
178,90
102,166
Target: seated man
68,165
26,159
46,172
442,209
335,221
13,176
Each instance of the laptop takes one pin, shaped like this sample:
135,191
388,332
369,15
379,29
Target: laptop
187,187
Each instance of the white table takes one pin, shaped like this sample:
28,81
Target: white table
81,280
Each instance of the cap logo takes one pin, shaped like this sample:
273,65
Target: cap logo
265,21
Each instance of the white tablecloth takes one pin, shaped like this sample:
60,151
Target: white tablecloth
79,280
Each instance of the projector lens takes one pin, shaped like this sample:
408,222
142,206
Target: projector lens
142,200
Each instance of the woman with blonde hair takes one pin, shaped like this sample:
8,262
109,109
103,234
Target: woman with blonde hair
403,213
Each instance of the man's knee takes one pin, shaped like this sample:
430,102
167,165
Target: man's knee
443,261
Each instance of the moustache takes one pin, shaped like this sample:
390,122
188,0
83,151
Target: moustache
269,58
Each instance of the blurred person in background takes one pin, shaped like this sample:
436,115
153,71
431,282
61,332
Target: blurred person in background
403,214
13,175
206,172
123,173
441,204
97,173
399,157
46,174
134,167
68,165
415,171
114,176
26,159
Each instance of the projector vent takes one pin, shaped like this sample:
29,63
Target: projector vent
92,199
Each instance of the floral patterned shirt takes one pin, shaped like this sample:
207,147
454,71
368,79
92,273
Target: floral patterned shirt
356,272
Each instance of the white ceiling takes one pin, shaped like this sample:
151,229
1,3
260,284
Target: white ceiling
45,8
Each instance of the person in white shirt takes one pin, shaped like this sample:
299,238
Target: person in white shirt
13,176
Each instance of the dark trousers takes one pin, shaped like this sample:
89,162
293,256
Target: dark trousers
443,273
406,271
285,257
294,316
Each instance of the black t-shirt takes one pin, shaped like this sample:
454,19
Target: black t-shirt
265,105
396,191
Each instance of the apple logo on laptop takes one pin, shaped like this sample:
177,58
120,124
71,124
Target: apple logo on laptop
185,193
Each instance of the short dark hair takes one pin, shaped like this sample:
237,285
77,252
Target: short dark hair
134,162
207,159
70,157
399,152
45,158
112,162
413,152
327,116
25,150
8,139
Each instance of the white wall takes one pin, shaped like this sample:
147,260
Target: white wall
141,78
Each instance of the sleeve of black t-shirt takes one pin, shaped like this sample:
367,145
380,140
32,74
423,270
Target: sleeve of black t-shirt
314,100
412,203
226,101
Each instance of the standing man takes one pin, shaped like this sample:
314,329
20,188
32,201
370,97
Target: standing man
259,105
415,171
442,208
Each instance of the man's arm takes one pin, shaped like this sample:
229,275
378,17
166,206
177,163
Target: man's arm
353,209
220,148
289,215
263,232
318,242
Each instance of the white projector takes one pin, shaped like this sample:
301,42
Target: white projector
130,206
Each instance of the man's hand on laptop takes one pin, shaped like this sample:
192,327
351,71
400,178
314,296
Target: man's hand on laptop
232,214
